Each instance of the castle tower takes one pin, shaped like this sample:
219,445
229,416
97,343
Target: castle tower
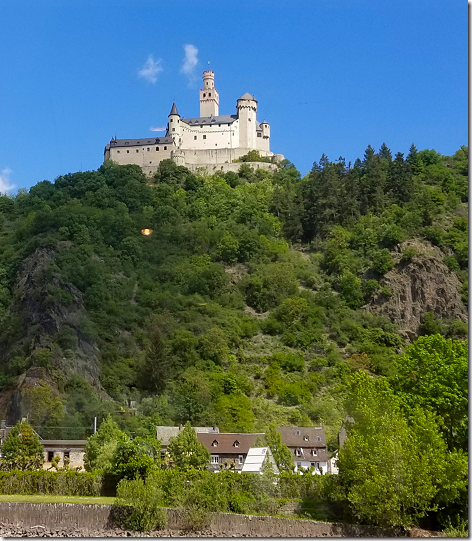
209,98
246,107
174,128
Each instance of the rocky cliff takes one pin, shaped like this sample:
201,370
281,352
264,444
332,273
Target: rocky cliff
420,282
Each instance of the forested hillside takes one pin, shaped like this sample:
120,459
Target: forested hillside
253,301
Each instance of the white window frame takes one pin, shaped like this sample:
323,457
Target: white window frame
241,459
214,459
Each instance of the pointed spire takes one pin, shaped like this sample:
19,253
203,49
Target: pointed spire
174,111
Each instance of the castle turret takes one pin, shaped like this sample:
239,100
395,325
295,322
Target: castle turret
247,109
209,98
174,128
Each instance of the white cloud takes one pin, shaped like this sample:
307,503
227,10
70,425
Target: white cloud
159,129
151,69
190,61
5,185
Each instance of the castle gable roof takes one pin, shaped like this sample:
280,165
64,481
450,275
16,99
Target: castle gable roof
138,142
210,120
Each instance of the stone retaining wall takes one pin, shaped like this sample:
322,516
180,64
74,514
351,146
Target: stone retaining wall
92,516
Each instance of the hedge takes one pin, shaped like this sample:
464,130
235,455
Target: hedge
64,483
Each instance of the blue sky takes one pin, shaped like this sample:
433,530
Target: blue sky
330,76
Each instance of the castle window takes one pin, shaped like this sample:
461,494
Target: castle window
127,152
204,95
118,151
172,120
137,150
194,137
259,134
201,126
204,137
219,125
209,94
148,149
157,149
173,129
165,148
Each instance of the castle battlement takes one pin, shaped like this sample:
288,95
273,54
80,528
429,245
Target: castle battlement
210,141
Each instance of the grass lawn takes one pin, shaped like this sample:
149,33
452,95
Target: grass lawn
50,498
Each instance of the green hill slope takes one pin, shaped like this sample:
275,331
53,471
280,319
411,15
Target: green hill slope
253,300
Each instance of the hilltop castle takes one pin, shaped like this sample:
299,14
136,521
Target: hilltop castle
210,141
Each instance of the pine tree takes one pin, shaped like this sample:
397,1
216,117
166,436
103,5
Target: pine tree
22,449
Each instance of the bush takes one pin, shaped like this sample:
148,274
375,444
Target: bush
64,483
137,505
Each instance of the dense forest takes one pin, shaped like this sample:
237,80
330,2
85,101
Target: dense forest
255,300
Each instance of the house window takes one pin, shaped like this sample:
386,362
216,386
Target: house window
306,438
67,454
241,459
50,456
314,452
299,464
318,438
236,443
204,137
214,459
313,464
214,443
298,452
297,432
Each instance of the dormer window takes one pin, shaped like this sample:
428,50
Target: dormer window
306,438
214,443
297,432
318,438
236,443
314,452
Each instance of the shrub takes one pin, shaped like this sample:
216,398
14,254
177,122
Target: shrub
137,505
64,483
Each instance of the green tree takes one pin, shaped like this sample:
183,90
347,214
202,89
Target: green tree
22,449
186,451
136,458
392,472
281,453
101,446
433,374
